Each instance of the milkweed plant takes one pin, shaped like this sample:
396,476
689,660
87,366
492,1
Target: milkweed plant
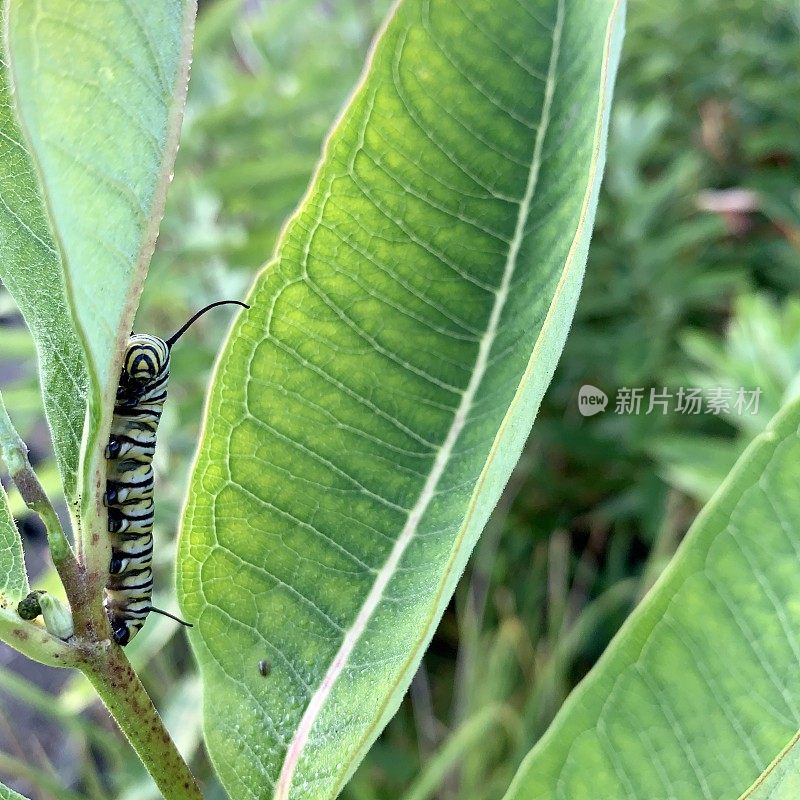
367,408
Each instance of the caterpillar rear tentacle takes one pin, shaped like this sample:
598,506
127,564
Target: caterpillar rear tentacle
141,393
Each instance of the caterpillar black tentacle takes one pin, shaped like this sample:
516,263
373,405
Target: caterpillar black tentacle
141,393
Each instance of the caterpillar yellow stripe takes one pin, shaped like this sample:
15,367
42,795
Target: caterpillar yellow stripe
141,393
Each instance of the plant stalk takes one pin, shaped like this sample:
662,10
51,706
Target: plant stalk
126,699
33,640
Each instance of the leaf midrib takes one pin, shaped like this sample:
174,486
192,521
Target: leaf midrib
442,459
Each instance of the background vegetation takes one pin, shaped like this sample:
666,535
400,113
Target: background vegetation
692,280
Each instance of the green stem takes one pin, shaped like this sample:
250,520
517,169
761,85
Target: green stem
126,699
33,640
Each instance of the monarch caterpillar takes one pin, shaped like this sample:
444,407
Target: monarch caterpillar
141,393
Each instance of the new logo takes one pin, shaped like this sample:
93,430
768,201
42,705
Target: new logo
591,400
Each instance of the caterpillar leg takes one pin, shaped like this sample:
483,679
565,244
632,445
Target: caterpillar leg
121,631
116,522
137,485
113,447
133,519
126,618
133,551
136,441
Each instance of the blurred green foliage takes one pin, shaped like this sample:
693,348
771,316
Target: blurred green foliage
692,281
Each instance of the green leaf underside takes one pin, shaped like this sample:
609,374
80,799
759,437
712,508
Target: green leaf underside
9,794
699,692
30,268
13,580
95,89
372,403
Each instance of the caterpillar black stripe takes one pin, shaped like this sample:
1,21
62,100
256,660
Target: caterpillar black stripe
129,490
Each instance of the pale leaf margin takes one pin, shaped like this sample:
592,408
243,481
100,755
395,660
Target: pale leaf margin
781,779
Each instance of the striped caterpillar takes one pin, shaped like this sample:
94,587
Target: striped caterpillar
141,393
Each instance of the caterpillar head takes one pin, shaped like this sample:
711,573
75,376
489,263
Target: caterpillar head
146,358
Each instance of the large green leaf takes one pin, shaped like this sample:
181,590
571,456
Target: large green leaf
699,691
369,408
30,267
98,89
